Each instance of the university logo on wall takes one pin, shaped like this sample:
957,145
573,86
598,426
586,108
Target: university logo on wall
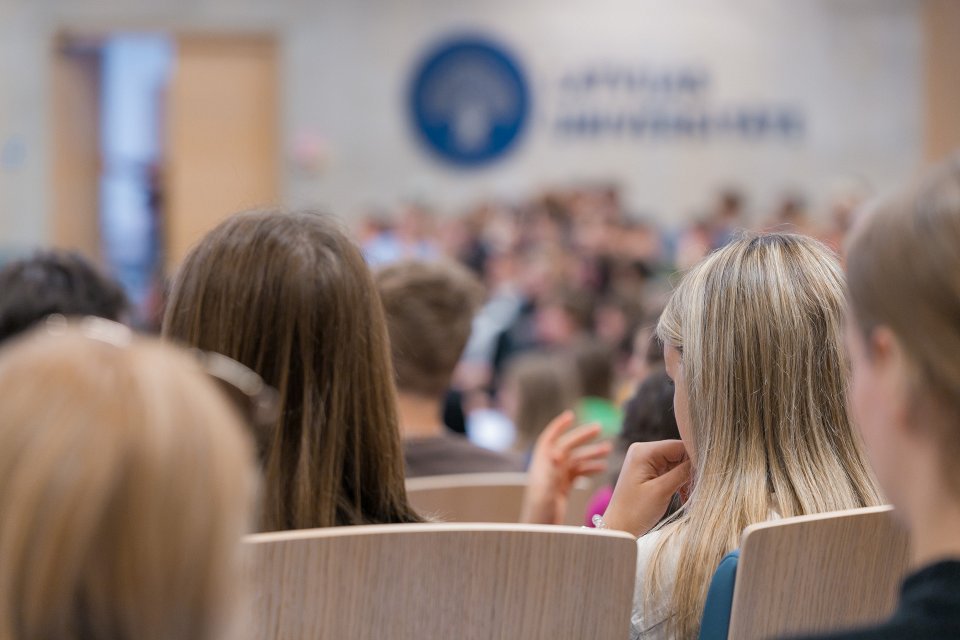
469,101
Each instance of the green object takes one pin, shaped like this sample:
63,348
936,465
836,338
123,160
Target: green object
601,411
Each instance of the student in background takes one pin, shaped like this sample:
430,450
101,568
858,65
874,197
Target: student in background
429,307
595,365
903,334
754,344
55,282
126,484
537,387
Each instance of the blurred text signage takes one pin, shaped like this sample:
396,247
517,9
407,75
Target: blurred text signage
470,101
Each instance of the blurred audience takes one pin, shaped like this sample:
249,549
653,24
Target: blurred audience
289,295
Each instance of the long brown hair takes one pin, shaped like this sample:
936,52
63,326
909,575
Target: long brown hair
290,296
126,485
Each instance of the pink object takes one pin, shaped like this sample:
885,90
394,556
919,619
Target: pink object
598,503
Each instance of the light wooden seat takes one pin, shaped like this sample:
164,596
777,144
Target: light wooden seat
483,497
817,573
441,581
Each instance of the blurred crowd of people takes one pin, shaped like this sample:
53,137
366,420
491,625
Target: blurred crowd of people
574,283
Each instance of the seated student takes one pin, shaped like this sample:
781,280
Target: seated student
536,387
290,296
754,344
903,335
52,282
429,308
595,366
126,484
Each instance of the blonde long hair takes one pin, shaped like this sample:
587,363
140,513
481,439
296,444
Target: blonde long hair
126,483
759,325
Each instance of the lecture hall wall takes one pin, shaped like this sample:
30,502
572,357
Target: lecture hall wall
852,76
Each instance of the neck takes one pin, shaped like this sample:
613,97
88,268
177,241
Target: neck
419,415
934,524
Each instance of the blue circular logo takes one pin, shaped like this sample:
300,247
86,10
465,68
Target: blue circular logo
469,101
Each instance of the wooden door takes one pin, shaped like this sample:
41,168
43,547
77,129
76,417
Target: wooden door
75,111
222,152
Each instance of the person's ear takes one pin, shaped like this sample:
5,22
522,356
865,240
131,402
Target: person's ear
882,346
894,374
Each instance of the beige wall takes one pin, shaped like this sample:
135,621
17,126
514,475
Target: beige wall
856,65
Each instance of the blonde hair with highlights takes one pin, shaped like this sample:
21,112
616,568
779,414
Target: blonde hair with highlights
759,325
126,484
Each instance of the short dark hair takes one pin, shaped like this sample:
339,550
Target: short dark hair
429,308
52,282
648,414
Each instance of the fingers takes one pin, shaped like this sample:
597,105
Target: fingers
557,427
598,451
579,436
589,468
670,450
671,481
660,456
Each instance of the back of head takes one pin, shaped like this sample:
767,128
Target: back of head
760,325
595,364
904,270
538,387
648,414
126,483
289,295
429,308
55,282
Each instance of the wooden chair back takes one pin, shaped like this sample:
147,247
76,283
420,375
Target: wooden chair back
483,497
818,573
441,581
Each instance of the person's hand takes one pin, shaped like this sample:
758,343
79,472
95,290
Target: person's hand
561,455
652,472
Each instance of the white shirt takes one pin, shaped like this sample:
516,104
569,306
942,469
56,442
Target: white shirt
650,614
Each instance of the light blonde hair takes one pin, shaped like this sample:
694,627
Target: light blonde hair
759,325
904,269
126,483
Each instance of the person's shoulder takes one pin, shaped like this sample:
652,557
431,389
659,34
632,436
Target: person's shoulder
500,460
452,453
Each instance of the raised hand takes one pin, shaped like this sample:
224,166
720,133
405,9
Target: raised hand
561,455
